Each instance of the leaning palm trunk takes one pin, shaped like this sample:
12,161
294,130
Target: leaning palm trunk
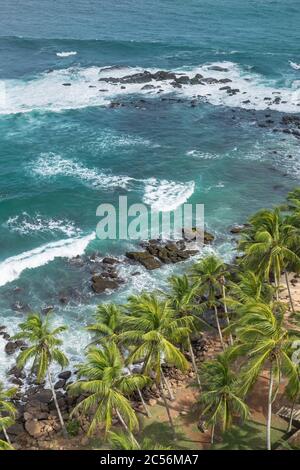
167,385
6,436
127,429
57,406
167,408
191,351
289,291
291,416
144,403
226,313
219,328
276,282
270,399
212,433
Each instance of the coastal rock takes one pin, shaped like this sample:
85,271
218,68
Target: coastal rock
238,228
145,258
100,284
65,375
217,68
60,384
11,347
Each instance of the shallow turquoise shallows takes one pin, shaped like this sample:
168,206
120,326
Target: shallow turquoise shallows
64,148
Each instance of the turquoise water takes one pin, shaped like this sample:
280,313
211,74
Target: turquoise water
63,150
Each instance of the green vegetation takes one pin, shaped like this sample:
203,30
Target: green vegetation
239,303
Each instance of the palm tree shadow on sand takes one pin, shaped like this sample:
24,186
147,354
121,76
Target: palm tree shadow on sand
162,434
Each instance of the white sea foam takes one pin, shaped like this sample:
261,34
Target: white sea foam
26,224
294,65
50,164
79,87
66,54
11,268
163,195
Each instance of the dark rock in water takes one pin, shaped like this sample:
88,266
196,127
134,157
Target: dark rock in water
115,104
210,80
60,384
20,307
18,373
233,91
193,233
142,77
226,88
100,284
65,375
145,258
225,80
2,327
238,228
5,336
183,80
148,87
246,102
47,309
16,381
66,84
217,68
196,80
11,347
164,75
176,84
108,260
103,90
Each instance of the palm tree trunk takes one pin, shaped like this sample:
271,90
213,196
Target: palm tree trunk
289,291
167,408
6,435
194,361
144,403
167,385
291,416
269,417
64,430
127,429
219,328
276,285
226,312
212,434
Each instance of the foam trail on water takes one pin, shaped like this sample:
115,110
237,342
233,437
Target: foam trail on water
50,164
11,268
66,54
164,196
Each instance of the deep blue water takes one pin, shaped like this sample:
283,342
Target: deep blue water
63,150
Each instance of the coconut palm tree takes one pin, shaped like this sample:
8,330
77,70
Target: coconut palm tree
107,323
181,296
43,351
108,386
5,445
154,329
7,409
293,393
221,399
107,328
269,247
250,288
122,441
267,343
210,274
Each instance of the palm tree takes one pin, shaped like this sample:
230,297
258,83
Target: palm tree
122,441
153,328
181,296
264,339
269,247
7,410
250,288
107,327
43,351
107,323
210,273
103,379
221,398
5,445
293,393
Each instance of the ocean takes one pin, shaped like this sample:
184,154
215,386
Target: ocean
69,142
